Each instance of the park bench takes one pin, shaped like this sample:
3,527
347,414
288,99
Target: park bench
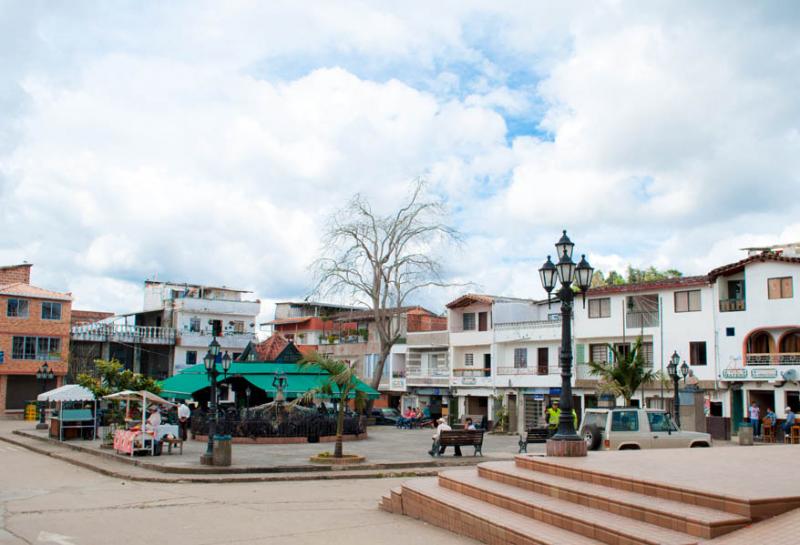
534,435
460,438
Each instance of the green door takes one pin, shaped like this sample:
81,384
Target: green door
737,406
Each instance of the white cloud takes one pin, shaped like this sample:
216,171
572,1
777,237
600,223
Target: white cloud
207,144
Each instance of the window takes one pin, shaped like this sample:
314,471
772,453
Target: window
600,308
520,358
17,308
625,421
730,331
36,348
468,321
647,353
469,360
191,357
660,422
779,288
483,321
687,301
598,353
51,311
622,349
238,326
194,324
697,353
542,356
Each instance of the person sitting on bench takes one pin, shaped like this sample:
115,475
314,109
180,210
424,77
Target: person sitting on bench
439,429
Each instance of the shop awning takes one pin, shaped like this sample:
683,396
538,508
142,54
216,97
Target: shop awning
183,385
297,385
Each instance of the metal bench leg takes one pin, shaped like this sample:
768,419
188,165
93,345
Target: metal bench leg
478,450
523,446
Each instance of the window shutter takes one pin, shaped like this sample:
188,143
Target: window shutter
774,288
580,353
786,287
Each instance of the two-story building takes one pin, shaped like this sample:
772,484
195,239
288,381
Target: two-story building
757,330
34,330
427,370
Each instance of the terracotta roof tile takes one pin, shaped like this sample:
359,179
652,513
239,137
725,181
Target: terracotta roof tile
270,349
732,268
667,283
26,290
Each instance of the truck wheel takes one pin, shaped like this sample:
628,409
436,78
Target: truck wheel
592,436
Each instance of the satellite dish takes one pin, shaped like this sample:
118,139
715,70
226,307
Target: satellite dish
790,374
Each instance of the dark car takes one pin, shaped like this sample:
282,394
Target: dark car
386,416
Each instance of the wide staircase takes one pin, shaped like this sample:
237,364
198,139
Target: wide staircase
528,501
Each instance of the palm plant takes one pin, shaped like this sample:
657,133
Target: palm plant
625,374
340,381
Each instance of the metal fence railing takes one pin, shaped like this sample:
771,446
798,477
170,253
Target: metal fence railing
254,424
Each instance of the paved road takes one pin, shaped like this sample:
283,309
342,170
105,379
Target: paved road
43,501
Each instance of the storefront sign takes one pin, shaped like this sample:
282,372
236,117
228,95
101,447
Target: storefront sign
734,374
764,373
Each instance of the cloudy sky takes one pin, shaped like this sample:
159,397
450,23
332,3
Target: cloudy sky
207,141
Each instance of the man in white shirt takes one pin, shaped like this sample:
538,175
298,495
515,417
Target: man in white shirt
183,420
436,449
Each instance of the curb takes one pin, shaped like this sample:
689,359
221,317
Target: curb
205,470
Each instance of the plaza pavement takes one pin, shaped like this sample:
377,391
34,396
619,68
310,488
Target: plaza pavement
46,501
386,449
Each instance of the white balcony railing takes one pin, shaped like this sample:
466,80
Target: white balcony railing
785,358
104,332
533,324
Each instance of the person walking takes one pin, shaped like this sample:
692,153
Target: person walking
184,413
755,419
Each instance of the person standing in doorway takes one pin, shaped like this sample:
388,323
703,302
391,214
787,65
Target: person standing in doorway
755,419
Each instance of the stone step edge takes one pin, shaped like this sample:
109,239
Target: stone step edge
497,532
633,508
551,515
717,502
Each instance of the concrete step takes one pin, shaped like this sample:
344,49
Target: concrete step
593,523
650,488
682,517
424,499
397,500
386,504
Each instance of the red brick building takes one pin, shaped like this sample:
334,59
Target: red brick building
34,329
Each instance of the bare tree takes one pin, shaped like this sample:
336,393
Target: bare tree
381,260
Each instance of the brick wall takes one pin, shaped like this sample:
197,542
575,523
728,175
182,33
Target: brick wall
11,274
33,325
425,322
81,317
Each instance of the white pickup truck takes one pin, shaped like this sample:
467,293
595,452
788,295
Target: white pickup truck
629,428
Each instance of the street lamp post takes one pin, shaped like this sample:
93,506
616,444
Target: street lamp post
210,362
566,441
672,370
43,375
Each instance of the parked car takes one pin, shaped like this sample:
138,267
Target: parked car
629,428
386,416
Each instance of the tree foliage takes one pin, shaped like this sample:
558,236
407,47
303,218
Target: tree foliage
632,276
110,377
381,261
623,376
341,381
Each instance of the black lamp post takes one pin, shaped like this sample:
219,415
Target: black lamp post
210,362
43,375
567,273
672,370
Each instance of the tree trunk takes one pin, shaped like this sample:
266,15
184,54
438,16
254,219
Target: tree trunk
337,451
378,373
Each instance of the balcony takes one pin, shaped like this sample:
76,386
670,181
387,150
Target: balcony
472,377
419,376
104,332
530,330
218,306
731,305
342,339
785,358
640,319
228,340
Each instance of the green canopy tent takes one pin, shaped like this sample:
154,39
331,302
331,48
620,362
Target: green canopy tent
259,374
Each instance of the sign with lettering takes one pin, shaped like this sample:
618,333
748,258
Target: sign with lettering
734,374
764,373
